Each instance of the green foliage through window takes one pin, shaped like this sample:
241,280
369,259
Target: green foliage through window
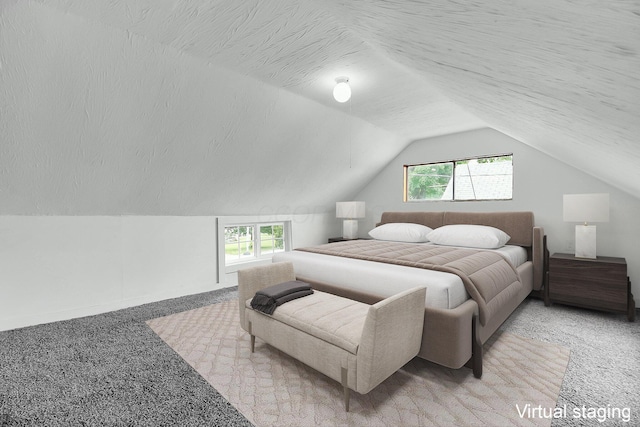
428,182
245,242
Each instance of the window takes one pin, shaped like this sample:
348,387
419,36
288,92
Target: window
253,241
480,178
271,239
243,241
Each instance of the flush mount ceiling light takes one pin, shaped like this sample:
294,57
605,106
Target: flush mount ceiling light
342,91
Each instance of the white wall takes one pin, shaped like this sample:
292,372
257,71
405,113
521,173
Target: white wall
539,184
60,267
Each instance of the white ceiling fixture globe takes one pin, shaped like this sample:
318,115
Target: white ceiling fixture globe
342,90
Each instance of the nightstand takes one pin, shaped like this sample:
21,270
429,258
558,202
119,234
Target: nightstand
341,239
599,284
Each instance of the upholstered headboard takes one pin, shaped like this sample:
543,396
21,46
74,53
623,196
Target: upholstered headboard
430,219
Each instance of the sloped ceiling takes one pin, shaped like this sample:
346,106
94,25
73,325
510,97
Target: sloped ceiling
224,107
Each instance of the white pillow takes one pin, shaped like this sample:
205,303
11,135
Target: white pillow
472,236
401,232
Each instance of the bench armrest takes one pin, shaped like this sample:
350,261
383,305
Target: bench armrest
391,337
251,280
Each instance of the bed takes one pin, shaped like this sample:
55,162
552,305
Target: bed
470,291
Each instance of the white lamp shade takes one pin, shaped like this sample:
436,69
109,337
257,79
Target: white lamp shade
586,207
350,210
342,91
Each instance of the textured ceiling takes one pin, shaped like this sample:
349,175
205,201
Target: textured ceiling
152,96
301,46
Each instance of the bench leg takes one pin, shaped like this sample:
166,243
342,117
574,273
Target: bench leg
347,392
253,338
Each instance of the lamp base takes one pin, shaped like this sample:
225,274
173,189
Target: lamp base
586,241
350,229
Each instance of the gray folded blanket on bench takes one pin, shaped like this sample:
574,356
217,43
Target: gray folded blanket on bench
266,300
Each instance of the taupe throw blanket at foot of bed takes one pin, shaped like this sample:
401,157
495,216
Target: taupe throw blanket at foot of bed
266,300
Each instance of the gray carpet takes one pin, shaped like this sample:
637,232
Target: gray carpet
604,366
111,369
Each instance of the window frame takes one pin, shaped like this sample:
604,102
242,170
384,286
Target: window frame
405,177
256,240
256,222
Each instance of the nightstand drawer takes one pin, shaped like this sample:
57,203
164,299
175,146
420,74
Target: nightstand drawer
614,273
588,292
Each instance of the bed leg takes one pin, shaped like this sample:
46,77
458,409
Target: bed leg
476,348
545,272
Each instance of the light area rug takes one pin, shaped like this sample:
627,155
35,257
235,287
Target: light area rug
271,388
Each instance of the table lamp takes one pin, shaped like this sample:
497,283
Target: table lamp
350,211
586,208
